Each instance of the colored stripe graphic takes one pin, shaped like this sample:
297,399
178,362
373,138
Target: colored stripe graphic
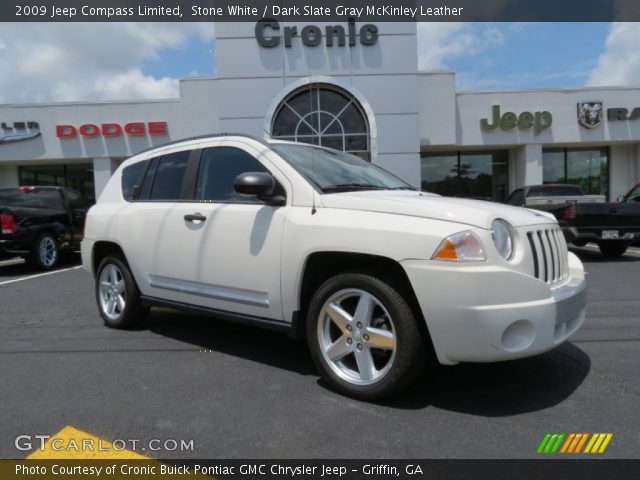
550,443
567,442
598,442
574,443
581,443
555,447
543,443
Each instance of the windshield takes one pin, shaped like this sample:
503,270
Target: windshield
333,171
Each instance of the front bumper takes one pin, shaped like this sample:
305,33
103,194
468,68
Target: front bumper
486,313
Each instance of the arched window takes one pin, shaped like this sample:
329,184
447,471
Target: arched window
325,115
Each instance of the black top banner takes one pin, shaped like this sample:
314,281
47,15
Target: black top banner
320,10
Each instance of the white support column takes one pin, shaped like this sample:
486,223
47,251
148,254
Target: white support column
528,163
103,168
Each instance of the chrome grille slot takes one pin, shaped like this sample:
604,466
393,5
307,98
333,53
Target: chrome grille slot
549,252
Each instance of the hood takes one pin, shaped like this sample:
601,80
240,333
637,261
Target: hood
477,213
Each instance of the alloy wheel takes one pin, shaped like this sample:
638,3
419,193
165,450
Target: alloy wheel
48,251
357,336
112,291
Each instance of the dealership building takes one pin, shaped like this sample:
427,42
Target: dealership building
351,86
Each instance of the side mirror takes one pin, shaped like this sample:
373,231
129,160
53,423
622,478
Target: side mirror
260,184
620,198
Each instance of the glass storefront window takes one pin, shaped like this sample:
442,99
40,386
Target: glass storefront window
553,167
586,167
78,176
480,175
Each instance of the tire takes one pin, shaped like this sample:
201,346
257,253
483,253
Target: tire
117,294
612,248
46,252
341,340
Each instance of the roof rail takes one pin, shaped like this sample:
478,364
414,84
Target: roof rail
200,137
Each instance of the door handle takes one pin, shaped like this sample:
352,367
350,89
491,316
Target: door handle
195,217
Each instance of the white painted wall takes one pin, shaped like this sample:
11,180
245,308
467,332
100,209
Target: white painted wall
410,110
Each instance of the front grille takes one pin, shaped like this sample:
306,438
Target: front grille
550,258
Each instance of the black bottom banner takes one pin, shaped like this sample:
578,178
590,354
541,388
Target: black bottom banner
546,469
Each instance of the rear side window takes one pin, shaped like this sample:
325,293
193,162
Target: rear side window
169,174
31,197
219,167
132,180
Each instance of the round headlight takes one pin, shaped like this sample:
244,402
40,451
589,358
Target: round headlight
502,234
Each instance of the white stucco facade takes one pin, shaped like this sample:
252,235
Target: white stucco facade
410,113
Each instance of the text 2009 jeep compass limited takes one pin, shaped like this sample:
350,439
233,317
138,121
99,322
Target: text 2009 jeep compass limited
317,242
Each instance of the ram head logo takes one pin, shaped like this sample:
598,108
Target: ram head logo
590,114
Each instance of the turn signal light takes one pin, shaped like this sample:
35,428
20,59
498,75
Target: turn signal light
460,247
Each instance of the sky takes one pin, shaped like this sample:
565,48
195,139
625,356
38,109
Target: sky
50,62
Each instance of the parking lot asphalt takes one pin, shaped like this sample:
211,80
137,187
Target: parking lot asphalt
240,392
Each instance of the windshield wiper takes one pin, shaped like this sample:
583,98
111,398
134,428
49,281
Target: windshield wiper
403,188
351,186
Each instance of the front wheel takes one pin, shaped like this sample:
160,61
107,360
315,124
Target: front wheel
363,337
117,294
612,248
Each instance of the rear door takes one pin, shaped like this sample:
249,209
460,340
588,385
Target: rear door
152,188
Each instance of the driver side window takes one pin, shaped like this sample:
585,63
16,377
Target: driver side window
218,169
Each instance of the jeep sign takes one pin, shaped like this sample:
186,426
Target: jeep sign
539,121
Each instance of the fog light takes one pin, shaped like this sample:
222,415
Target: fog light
518,336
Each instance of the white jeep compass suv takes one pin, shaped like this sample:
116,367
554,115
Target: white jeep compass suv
319,243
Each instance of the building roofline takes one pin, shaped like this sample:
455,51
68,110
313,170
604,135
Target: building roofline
198,78
556,89
90,103
436,71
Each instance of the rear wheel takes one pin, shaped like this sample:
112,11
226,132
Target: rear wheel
612,248
363,337
46,252
117,294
